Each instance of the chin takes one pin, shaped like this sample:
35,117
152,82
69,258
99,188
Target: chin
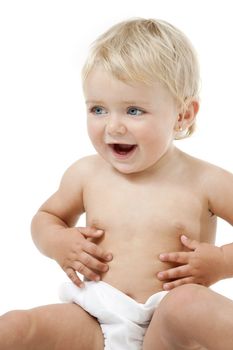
127,170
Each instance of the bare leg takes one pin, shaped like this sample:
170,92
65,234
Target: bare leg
191,317
52,327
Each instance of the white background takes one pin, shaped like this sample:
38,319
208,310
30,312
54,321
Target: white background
43,45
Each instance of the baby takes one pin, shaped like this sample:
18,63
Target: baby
141,194
150,208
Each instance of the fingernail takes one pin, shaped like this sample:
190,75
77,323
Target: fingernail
97,278
162,256
160,275
166,287
99,231
108,257
82,285
184,237
106,268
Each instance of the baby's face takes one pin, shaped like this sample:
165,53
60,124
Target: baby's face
131,125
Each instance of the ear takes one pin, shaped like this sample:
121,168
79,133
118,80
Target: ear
186,118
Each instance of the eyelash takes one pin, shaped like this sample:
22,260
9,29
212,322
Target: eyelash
136,109
95,108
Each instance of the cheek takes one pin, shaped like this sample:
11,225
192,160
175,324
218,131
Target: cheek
93,130
148,133
156,138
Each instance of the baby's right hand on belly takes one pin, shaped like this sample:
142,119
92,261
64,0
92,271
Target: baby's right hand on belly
75,253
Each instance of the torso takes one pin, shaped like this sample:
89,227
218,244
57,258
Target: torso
143,218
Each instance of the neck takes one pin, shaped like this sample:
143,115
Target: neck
163,167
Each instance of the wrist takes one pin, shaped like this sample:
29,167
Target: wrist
46,232
227,253
56,242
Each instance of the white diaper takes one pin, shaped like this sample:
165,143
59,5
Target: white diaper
123,320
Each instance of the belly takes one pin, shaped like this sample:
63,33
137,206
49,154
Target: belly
134,267
137,280
136,251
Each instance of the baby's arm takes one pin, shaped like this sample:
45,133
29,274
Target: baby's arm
55,235
205,263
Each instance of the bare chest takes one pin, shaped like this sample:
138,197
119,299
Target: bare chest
141,212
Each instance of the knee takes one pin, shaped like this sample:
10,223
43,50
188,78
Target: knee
185,295
181,303
17,323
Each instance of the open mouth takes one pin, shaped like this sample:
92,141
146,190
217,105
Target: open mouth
122,149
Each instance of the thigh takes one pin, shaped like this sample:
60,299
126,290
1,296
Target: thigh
64,326
160,335
187,316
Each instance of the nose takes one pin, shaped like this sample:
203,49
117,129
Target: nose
115,126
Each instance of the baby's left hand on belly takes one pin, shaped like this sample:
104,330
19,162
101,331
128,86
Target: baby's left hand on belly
196,265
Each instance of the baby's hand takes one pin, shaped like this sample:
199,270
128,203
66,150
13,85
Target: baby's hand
77,254
204,264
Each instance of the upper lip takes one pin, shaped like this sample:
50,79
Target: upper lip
120,143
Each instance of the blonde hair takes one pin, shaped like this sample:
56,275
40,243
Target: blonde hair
147,49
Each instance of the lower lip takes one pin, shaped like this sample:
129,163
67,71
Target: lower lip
123,156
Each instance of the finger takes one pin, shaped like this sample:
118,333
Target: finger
177,283
92,263
85,271
175,273
74,277
189,243
95,250
177,257
90,231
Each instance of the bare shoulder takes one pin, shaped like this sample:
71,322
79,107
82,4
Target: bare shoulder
203,169
78,176
83,168
67,202
216,184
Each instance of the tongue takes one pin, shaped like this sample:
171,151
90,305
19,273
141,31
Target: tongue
123,149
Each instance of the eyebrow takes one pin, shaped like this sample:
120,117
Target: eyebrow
130,103
139,102
94,102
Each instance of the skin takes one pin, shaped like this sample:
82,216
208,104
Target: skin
151,205
191,317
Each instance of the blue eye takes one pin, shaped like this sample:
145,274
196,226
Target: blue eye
98,110
134,111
